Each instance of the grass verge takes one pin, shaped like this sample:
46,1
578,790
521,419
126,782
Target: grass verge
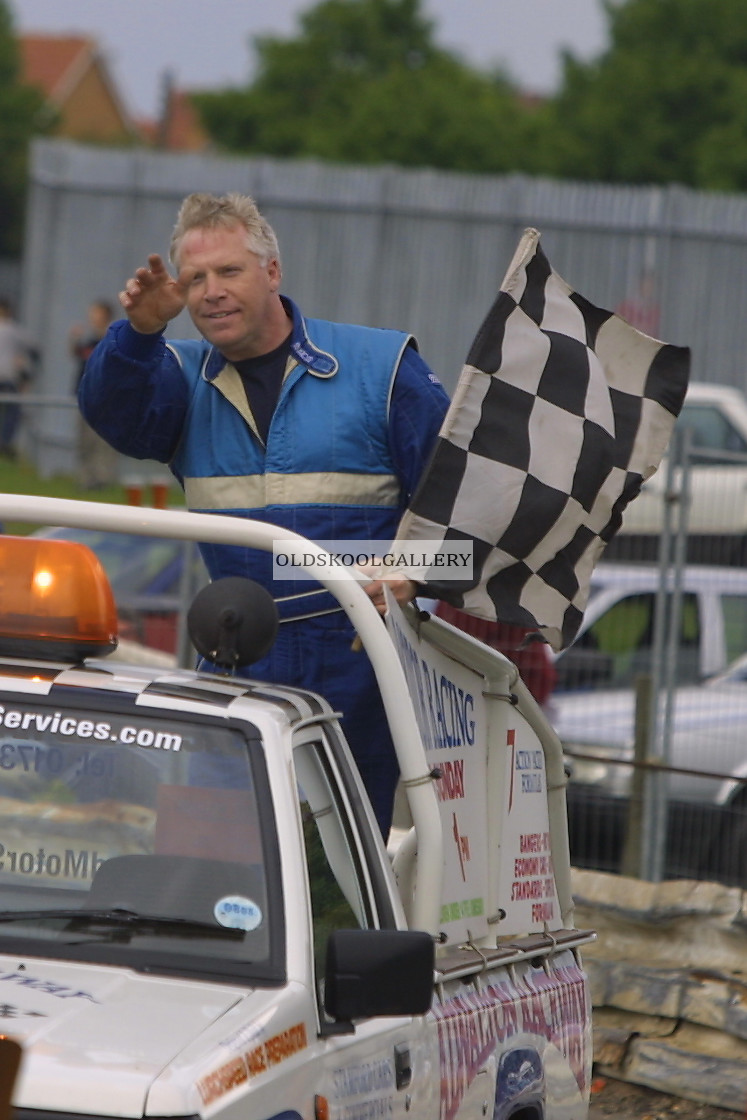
20,477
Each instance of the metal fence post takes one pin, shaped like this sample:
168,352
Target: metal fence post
665,656
631,856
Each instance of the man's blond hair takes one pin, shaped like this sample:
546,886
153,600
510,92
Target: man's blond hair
209,211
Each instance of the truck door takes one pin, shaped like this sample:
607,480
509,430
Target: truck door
375,1066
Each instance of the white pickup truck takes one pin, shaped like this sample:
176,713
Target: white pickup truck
198,917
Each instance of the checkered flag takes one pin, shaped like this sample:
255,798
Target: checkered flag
562,411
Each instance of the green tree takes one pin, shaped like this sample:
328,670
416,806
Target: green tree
20,114
667,102
365,83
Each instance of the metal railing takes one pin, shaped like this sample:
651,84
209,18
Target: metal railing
644,824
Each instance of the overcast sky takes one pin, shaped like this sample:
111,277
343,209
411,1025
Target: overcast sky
206,43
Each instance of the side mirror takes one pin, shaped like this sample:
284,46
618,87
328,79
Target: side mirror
378,972
233,622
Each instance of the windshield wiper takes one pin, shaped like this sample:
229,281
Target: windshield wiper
118,916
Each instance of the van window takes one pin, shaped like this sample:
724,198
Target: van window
734,611
711,429
617,647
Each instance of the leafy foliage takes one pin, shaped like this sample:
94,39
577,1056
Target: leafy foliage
20,116
364,83
667,102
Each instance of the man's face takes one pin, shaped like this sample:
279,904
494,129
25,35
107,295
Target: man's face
232,297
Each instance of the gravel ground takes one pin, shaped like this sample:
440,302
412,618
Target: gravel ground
617,1100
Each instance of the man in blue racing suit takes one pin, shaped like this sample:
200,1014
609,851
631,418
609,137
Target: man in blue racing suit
322,428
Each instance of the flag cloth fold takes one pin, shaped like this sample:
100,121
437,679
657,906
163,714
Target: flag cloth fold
561,412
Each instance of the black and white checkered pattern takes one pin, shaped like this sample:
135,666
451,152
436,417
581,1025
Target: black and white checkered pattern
560,414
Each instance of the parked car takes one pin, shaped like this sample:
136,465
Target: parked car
147,576
706,785
716,416
615,641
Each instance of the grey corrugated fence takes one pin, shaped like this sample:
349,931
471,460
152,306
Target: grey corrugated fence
418,250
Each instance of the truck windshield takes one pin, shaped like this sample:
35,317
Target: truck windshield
130,837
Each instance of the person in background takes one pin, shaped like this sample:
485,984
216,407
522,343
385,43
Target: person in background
19,356
531,655
641,308
322,428
96,459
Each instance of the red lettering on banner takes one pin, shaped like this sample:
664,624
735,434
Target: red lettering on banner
533,876
450,786
543,911
462,844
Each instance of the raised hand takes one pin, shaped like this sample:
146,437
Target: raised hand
152,297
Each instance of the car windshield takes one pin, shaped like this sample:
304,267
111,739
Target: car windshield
711,429
135,565
135,838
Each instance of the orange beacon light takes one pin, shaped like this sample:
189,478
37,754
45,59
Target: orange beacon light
55,600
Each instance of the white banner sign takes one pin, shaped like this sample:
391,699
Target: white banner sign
492,791
526,872
450,710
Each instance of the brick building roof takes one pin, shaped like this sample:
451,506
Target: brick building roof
72,73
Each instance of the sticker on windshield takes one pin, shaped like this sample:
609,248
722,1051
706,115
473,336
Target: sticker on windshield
237,912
